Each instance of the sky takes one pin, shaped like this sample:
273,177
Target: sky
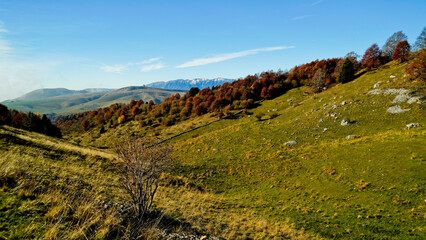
111,44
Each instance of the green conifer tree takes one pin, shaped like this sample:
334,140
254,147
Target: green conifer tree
347,73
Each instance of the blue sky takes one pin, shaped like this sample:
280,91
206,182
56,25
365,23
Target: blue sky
111,44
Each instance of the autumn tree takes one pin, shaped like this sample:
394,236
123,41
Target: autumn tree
84,125
417,68
390,45
402,51
371,58
347,73
421,41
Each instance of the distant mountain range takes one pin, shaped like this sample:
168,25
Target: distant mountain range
186,84
64,101
54,92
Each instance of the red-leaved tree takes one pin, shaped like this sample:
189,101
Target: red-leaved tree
371,58
402,51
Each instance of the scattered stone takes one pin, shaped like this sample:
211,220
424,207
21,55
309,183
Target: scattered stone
397,109
403,95
343,103
389,91
321,120
214,149
320,100
274,110
269,123
351,137
290,143
334,115
413,125
248,115
377,84
325,130
289,100
392,76
344,122
334,106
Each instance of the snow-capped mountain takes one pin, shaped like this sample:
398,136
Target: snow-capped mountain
186,84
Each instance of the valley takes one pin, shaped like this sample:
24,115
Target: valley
238,178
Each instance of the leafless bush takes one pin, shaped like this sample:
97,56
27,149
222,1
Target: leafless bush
143,162
318,80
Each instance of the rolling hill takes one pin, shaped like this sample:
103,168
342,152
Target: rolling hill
186,84
63,101
44,93
348,162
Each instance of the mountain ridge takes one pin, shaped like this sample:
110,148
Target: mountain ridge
65,101
186,84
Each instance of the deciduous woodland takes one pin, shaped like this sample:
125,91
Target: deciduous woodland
243,93
331,149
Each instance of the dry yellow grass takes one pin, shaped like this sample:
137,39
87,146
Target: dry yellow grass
215,215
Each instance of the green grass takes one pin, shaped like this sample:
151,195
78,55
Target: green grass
372,186
50,189
236,179
69,104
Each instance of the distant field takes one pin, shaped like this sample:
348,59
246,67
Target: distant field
76,103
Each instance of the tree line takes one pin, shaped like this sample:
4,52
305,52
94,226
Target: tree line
243,93
28,121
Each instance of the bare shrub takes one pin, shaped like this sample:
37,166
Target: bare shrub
318,81
143,162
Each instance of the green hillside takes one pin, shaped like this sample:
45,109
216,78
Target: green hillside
75,103
237,178
365,179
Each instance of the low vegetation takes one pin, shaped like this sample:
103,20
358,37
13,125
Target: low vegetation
355,167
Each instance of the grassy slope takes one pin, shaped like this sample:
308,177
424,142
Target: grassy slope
90,101
372,186
51,189
236,179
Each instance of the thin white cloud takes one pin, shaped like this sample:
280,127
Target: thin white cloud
5,47
151,60
145,67
299,17
151,67
227,56
316,2
114,68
